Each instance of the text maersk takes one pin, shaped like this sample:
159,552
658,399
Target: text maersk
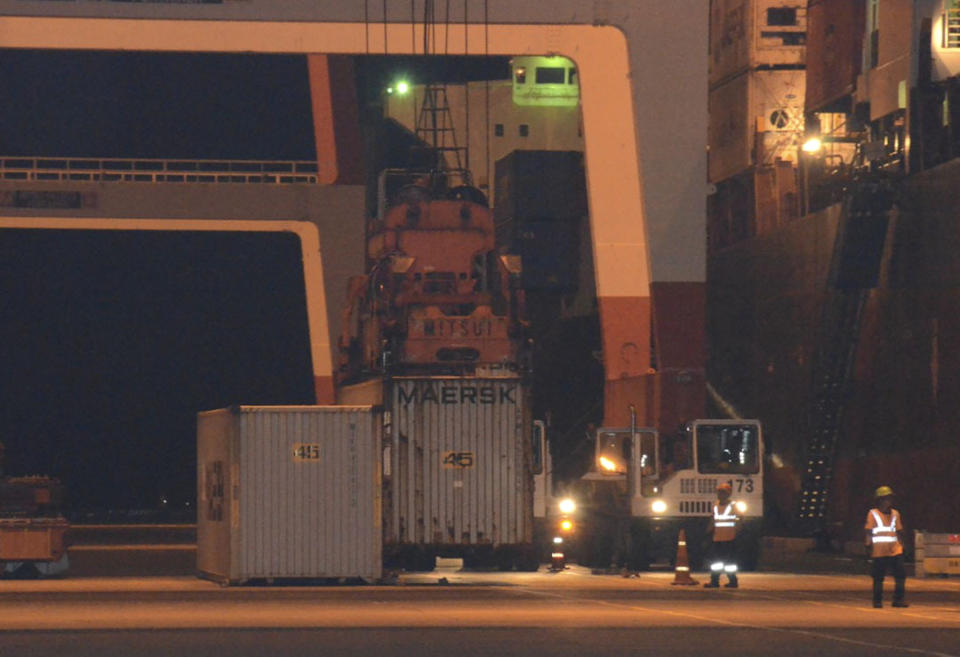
463,394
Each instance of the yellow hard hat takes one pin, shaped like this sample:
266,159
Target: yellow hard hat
883,491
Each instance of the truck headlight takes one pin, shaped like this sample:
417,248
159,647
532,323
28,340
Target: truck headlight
658,506
608,465
567,506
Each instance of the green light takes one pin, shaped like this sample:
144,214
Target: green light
402,87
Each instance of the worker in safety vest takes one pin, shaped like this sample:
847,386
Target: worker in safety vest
723,526
883,544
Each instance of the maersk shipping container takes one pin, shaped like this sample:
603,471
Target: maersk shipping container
289,492
457,462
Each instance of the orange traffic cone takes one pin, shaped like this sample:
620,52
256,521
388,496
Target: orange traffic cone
682,571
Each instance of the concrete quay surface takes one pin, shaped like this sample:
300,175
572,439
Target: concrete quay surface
572,612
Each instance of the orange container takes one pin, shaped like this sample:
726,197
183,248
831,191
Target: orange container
32,539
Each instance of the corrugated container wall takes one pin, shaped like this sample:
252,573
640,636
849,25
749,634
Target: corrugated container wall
289,492
461,463
835,30
541,200
755,202
751,34
543,185
755,119
457,460
889,57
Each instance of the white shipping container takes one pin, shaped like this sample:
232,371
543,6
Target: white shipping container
749,34
459,468
289,492
755,119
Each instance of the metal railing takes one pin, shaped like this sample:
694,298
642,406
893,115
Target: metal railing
84,169
951,28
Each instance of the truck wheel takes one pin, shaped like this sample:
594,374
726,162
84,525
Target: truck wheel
393,559
527,560
413,560
639,557
479,558
596,544
504,558
424,561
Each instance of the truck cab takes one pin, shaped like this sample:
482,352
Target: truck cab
668,482
678,475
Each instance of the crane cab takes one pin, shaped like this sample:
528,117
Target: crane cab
545,81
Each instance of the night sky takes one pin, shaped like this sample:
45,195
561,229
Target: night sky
110,342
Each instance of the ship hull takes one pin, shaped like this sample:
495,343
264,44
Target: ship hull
900,416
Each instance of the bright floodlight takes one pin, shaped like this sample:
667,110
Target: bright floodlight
812,145
567,505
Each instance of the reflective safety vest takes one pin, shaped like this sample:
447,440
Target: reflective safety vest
884,536
725,522
884,533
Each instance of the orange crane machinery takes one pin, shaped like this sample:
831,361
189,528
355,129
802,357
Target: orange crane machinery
437,298
434,334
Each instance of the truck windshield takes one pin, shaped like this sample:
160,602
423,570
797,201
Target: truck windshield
728,448
613,450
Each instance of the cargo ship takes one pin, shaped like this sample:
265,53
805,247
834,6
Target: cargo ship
832,269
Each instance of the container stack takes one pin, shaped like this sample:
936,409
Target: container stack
539,209
757,84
